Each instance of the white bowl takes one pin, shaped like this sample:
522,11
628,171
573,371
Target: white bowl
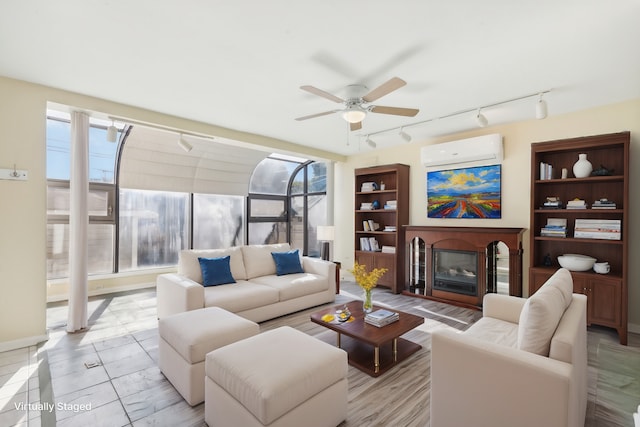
575,262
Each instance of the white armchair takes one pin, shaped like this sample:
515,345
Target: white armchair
502,371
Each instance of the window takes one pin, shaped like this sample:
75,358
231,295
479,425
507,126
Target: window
153,228
218,221
287,201
101,231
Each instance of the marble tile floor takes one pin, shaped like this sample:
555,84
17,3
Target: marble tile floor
108,375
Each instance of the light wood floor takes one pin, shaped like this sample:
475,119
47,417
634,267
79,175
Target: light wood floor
127,389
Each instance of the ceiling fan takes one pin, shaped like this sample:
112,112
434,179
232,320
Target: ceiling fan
356,103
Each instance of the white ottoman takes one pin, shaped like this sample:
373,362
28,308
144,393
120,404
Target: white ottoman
278,378
186,338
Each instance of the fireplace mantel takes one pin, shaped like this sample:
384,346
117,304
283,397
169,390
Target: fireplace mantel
422,241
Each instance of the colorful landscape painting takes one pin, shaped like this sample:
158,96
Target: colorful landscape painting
464,193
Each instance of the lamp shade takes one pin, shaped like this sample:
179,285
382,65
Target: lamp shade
326,233
354,114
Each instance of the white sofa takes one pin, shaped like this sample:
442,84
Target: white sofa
258,293
523,364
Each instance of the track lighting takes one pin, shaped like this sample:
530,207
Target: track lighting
112,133
481,120
371,143
541,108
405,135
184,144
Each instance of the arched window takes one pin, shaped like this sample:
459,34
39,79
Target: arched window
287,201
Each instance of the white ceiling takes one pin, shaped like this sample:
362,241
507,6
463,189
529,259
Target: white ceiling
239,64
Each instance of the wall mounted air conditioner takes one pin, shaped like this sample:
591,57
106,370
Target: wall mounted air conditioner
483,150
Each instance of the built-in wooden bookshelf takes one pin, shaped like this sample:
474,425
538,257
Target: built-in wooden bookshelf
606,293
383,200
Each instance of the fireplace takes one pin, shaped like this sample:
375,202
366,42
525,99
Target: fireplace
461,264
455,271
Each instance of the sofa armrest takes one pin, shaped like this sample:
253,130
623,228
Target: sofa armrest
321,268
503,307
176,293
474,382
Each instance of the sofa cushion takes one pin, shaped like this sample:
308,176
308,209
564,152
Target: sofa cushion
539,319
241,296
258,260
287,262
216,271
294,285
189,266
495,331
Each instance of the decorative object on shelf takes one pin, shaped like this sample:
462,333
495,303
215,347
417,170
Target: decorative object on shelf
576,262
565,173
382,186
602,171
375,204
582,168
367,281
601,267
547,261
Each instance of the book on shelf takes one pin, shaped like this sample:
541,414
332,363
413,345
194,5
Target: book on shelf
366,206
373,226
391,228
381,317
552,203
368,186
576,204
556,227
387,249
373,244
546,171
606,229
603,204
364,244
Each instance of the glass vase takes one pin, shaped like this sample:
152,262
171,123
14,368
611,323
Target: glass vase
367,304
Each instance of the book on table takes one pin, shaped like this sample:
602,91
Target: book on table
381,317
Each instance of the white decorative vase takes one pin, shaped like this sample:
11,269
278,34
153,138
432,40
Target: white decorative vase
582,168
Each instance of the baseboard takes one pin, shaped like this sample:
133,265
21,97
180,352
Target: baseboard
632,327
23,342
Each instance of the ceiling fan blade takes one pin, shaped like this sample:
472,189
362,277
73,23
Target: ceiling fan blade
311,116
355,126
385,88
322,93
409,112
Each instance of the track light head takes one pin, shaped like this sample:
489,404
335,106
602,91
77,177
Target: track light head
112,133
184,144
481,120
371,143
405,135
541,109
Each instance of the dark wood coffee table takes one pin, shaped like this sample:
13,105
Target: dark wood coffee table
371,349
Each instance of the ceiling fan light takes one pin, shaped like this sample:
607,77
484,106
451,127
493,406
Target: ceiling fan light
481,120
354,115
405,136
541,109
112,133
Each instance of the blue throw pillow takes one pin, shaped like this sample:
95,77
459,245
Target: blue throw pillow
216,271
287,262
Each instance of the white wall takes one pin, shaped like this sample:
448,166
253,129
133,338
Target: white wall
515,180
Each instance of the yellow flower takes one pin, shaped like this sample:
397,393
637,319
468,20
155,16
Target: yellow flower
366,281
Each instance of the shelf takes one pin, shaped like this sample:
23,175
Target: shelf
578,211
577,240
590,179
375,232
361,193
607,294
376,210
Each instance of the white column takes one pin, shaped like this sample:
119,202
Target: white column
78,223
